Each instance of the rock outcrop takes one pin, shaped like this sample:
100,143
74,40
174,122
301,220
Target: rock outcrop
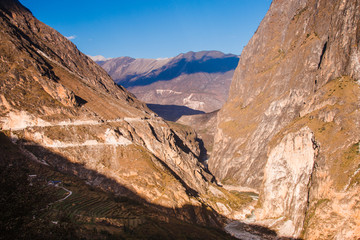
205,127
287,176
290,128
198,80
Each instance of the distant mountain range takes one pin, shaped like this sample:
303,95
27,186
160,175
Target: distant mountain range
196,80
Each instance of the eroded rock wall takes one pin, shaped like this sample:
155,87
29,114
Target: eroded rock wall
287,177
300,70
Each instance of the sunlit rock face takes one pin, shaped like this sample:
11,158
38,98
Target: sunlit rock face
287,175
298,76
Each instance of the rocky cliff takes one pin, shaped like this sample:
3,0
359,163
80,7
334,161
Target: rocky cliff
64,110
198,80
290,128
205,127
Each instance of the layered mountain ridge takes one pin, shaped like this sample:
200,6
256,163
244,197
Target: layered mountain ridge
197,80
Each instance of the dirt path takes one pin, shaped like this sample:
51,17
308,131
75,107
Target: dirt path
67,190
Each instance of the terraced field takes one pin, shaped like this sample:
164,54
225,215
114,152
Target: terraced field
105,215
86,204
88,213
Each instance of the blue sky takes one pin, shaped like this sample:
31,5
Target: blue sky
152,28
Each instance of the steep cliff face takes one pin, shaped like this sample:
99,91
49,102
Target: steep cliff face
290,128
205,127
64,110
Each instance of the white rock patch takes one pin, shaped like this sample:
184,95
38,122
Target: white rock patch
223,208
287,175
166,91
193,103
114,139
18,120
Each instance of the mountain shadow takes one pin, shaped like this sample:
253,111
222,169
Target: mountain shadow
108,210
172,112
181,66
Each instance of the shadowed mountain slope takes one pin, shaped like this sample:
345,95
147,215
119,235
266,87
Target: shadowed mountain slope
40,202
198,80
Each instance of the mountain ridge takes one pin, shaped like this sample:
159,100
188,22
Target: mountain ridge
198,80
148,65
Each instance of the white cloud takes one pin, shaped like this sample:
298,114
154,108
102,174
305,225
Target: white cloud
71,37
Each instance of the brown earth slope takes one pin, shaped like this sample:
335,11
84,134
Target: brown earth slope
290,129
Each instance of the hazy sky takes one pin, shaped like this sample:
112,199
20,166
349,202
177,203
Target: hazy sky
152,28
